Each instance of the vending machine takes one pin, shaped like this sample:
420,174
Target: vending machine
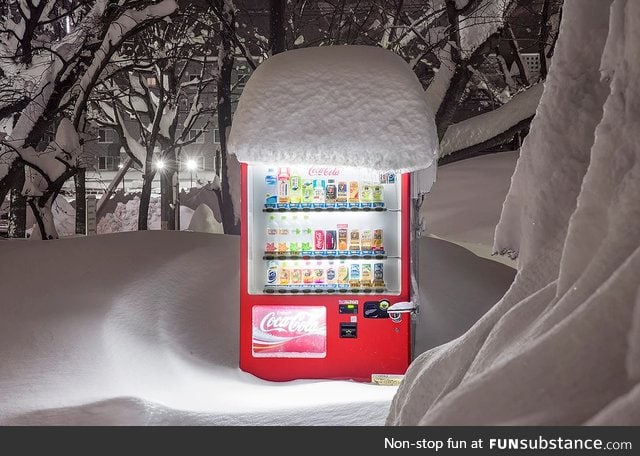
325,272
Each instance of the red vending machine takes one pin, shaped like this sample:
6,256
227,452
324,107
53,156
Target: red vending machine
325,254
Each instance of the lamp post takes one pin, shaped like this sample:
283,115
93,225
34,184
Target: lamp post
191,166
120,166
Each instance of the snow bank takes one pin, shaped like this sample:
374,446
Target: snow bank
560,348
148,335
203,221
358,106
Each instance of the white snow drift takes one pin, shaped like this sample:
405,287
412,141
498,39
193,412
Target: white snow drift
562,346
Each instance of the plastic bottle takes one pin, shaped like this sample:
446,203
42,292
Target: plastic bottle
283,185
272,234
295,234
271,183
284,276
306,241
295,189
283,234
319,191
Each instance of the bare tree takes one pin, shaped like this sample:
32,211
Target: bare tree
66,71
158,99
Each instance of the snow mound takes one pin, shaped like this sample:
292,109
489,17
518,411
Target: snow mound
561,347
149,334
358,106
203,221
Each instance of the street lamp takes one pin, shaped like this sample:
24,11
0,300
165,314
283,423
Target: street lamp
120,166
160,165
191,166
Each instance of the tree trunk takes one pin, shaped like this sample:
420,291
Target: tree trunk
276,22
81,202
167,190
544,36
18,208
225,65
145,197
41,208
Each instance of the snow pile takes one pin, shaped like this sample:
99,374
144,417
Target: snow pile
203,221
478,129
125,217
561,347
358,106
457,211
484,20
148,335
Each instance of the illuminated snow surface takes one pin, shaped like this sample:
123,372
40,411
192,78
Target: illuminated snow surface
358,106
141,328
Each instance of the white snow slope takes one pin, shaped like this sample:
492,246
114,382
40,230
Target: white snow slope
562,347
142,328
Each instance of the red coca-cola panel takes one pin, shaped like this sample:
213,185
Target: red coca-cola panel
289,331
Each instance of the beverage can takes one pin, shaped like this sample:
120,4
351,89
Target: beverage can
378,193
343,273
330,239
331,275
366,240
318,240
342,192
378,274
377,240
354,239
354,192
272,273
307,274
354,275
319,274
366,275
331,192
343,237
367,195
285,274
296,275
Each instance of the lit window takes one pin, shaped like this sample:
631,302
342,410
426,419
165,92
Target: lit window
152,81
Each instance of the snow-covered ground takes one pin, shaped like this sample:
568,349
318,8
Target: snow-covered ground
142,328
465,202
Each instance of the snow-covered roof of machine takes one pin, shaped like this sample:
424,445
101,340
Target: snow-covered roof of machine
358,106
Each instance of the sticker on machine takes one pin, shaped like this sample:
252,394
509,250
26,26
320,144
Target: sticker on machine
289,331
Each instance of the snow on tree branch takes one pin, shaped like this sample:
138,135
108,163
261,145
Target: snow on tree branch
483,127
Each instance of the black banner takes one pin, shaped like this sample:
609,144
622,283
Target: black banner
280,440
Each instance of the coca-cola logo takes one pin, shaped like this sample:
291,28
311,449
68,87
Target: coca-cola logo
323,171
299,322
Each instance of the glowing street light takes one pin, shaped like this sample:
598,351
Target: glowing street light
160,165
191,166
